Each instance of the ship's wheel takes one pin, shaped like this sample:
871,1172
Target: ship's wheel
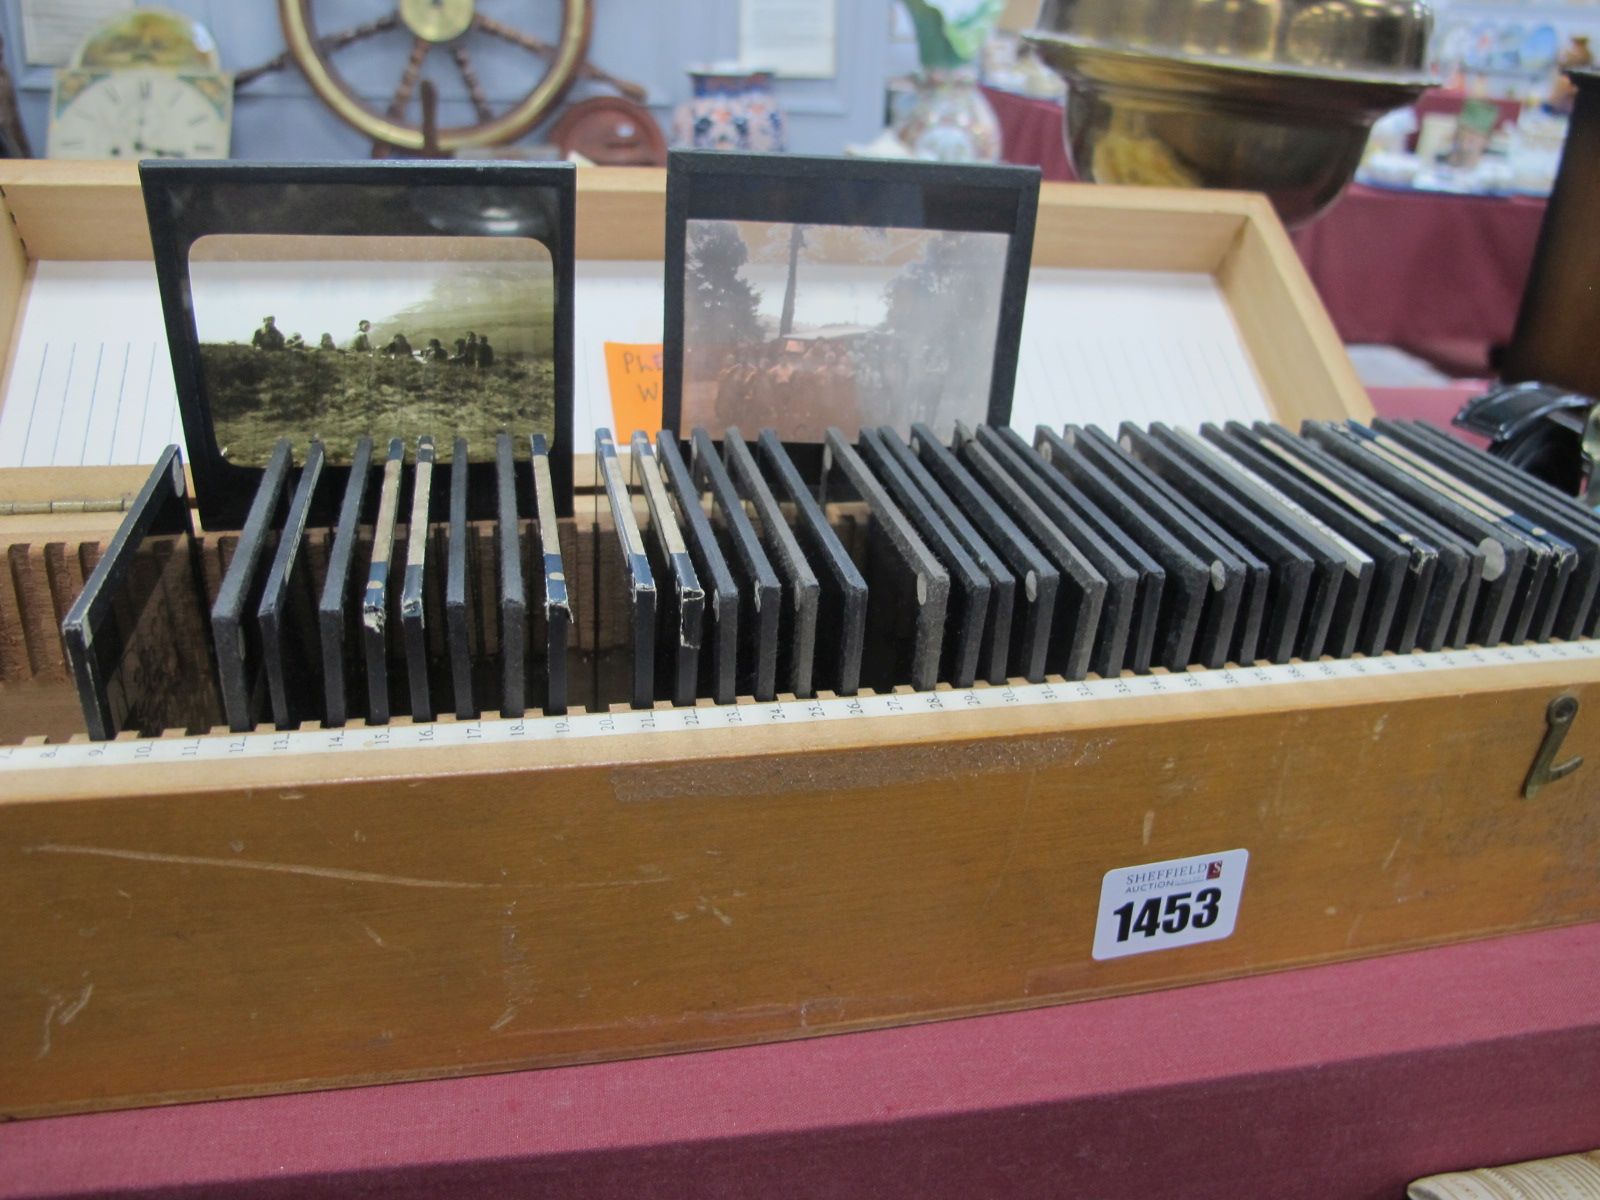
455,28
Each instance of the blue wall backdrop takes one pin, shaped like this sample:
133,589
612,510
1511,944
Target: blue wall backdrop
649,42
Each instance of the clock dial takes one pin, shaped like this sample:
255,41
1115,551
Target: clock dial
138,114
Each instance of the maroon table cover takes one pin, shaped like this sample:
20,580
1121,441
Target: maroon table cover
1031,133
1338,1081
1441,276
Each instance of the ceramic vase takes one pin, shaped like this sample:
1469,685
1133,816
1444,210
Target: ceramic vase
950,120
730,110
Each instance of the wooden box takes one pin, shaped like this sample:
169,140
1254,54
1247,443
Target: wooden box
232,914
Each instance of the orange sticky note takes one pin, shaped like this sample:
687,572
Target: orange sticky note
634,373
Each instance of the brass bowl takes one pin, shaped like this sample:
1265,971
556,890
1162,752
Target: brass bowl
1275,96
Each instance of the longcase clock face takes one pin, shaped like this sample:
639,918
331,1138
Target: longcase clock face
140,113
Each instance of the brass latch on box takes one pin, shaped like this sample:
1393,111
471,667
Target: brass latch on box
1560,714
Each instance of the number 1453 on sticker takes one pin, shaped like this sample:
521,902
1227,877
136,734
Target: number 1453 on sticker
1162,905
1172,913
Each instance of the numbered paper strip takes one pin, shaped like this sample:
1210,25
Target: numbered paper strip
450,734
1161,905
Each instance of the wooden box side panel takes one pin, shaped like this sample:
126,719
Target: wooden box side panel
248,938
1297,352
622,213
95,211
13,286
1094,227
13,269
85,211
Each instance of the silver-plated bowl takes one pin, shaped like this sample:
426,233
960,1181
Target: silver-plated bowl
1275,96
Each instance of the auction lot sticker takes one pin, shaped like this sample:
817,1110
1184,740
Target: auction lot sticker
1163,905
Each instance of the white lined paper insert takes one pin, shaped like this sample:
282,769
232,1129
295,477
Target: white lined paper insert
91,384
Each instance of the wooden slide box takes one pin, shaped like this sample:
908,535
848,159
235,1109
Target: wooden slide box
263,923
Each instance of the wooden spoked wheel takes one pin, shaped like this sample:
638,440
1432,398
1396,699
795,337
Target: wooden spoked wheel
448,26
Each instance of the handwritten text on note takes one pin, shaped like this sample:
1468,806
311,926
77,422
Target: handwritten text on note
634,372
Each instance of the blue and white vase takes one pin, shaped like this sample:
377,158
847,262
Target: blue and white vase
730,110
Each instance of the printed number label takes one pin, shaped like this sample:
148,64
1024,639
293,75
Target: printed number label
1179,911
1162,905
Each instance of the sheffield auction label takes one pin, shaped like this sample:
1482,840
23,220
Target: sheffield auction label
1163,905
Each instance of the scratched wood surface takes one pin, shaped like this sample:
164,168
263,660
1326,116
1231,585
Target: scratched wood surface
218,930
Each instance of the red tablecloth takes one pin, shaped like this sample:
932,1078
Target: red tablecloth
1341,1081
1436,404
1031,133
1441,276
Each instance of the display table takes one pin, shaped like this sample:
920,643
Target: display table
1435,274
1031,134
1438,275
1448,102
1337,1081
1438,405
